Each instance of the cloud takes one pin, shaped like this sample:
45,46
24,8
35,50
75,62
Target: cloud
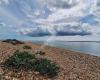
59,3
68,29
4,1
52,17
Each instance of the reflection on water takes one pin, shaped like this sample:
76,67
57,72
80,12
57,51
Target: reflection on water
86,47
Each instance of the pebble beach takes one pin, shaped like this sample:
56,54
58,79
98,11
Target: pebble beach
73,65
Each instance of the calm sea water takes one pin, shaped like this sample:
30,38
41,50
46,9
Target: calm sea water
92,48
86,47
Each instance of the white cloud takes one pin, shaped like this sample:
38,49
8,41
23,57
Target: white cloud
66,15
55,29
4,1
59,3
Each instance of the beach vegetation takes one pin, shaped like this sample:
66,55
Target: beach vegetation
26,47
26,61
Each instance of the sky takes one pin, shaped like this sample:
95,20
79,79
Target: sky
75,19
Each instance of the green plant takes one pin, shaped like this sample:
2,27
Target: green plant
46,67
26,61
20,60
26,47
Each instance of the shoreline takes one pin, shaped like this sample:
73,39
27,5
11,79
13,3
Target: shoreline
80,41
77,51
73,65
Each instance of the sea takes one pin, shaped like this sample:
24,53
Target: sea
92,48
87,47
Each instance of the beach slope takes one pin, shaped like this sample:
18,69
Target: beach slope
73,65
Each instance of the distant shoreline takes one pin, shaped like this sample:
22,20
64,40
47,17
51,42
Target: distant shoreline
79,41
